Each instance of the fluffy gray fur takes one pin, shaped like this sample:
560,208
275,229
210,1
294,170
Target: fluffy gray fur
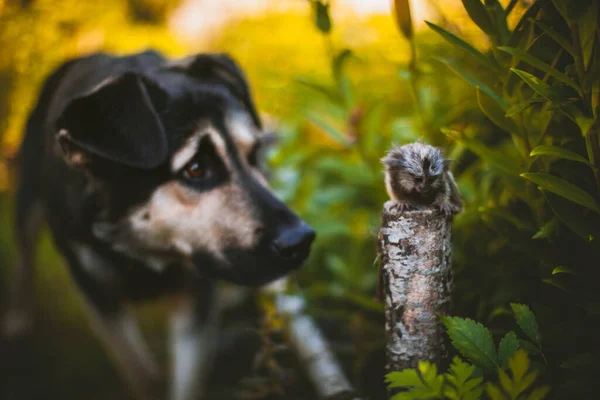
417,175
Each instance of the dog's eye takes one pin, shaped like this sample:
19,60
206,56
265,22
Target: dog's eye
196,170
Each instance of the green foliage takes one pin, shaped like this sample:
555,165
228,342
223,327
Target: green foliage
462,381
518,385
473,341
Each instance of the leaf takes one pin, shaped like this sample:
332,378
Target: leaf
547,229
462,385
560,152
574,217
461,44
507,348
539,393
563,270
472,340
319,88
454,67
478,14
495,393
408,377
539,86
322,17
424,384
519,107
564,189
328,129
539,64
587,25
495,113
491,156
580,361
557,37
527,322
403,17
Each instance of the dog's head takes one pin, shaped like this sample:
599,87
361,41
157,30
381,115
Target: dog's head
174,155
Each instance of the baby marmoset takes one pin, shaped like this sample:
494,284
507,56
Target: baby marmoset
417,175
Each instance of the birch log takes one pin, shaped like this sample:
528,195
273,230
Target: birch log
311,347
417,281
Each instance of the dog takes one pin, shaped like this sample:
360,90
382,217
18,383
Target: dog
147,171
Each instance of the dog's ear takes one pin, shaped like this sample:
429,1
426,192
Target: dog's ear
223,68
118,121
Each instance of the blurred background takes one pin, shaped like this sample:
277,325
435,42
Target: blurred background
339,82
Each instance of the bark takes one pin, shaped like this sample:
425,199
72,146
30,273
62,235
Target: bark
416,278
313,351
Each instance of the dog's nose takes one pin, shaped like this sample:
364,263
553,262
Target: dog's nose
295,242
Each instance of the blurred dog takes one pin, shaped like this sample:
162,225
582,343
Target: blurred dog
147,171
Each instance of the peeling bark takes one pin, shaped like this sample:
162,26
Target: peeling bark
416,279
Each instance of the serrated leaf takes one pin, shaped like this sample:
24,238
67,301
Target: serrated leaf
408,377
494,392
539,64
461,44
473,341
539,393
403,17
479,15
560,152
564,189
495,113
507,348
527,322
539,86
458,70
462,386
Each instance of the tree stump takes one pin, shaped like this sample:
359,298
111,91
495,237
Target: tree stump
416,280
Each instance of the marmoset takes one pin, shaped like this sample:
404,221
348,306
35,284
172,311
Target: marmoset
417,175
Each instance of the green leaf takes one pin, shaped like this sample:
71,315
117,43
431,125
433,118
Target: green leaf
557,37
479,15
473,341
495,113
462,386
539,86
527,322
408,377
461,44
494,392
322,17
563,188
403,17
539,64
574,217
328,129
507,348
457,69
587,24
561,269
493,157
539,393
560,152
546,230
519,107
424,384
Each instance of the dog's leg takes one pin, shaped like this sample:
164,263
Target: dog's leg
114,324
194,339
19,317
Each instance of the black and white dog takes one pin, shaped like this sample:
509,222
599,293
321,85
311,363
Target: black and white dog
147,173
